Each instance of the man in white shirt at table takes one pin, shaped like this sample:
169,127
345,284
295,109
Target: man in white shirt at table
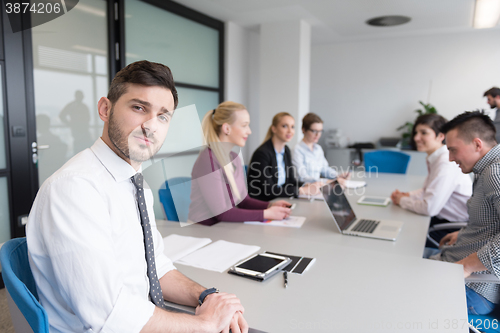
87,237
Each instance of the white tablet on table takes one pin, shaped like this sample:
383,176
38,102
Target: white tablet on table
374,201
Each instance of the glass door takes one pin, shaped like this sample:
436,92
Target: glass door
70,72
4,173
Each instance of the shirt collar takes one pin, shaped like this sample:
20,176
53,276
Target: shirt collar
116,166
281,152
305,146
435,155
487,160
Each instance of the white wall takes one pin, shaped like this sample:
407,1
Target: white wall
257,136
369,88
284,71
238,41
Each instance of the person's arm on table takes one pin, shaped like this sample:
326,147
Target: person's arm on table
487,258
440,187
471,264
396,196
219,312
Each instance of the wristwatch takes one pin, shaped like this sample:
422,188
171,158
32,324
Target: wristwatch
205,293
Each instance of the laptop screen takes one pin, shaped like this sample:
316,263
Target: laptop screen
338,204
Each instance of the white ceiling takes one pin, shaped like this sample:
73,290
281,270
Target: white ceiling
344,20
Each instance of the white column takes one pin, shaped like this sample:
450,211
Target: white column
285,53
236,63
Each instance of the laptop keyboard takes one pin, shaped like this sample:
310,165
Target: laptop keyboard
367,226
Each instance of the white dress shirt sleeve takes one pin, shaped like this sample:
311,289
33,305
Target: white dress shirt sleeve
163,263
440,186
326,170
417,194
300,163
79,245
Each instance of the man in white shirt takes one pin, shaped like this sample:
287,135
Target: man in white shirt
86,235
493,99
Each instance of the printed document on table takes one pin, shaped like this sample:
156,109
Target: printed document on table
177,246
291,222
311,197
354,183
219,256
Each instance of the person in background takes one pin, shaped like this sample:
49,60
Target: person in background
218,186
470,138
493,98
308,156
446,189
271,173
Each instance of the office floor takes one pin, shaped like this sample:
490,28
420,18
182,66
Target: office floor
5,322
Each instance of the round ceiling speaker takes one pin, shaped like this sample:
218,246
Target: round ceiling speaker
388,21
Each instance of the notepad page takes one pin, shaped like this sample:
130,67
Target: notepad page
219,256
177,247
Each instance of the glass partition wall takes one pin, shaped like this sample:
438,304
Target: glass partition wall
191,49
70,70
4,190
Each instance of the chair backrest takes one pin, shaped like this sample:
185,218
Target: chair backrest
18,280
175,196
386,161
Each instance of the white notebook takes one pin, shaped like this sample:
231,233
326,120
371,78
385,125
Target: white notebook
219,255
177,246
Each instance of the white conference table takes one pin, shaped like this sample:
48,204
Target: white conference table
356,284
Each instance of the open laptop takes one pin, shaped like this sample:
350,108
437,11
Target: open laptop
349,224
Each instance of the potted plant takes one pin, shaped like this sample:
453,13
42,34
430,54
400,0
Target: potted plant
407,128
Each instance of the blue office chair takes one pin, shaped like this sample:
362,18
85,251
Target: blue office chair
18,279
387,161
180,189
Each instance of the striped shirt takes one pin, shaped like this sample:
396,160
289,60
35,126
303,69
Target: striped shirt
482,234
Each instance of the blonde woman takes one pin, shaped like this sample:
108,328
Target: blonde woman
271,173
218,189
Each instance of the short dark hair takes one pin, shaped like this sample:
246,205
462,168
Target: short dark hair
493,92
472,124
309,119
434,121
144,73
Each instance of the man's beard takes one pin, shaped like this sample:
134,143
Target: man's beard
121,141
493,105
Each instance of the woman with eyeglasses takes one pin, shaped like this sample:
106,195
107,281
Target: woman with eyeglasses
271,173
308,156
